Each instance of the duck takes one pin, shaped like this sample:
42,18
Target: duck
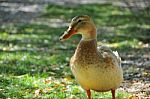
94,67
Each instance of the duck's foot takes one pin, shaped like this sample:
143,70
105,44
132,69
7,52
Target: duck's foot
113,93
88,92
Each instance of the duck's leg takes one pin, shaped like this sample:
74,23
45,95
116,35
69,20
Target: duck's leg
88,92
113,93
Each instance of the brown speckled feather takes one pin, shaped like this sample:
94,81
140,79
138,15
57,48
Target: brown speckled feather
86,53
99,66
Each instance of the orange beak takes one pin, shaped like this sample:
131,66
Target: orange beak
67,34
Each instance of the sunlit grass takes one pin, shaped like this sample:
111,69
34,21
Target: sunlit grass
42,86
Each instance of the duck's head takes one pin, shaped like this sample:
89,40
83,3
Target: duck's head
81,25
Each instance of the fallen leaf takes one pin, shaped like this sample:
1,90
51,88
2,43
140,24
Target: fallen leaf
47,90
37,92
68,78
134,97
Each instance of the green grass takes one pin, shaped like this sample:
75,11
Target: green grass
35,64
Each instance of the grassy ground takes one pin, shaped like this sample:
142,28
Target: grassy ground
35,64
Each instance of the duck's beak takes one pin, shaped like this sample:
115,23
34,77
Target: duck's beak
67,34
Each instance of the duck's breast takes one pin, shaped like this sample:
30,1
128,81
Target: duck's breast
92,71
97,77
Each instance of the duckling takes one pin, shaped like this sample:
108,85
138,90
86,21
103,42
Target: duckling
95,67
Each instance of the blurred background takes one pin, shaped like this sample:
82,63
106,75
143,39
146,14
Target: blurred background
35,64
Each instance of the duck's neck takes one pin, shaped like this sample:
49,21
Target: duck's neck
88,42
86,52
87,46
89,35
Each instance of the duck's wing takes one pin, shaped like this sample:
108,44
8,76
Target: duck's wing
107,53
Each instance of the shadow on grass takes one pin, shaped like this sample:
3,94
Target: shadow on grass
107,15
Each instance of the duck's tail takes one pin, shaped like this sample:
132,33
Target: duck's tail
118,57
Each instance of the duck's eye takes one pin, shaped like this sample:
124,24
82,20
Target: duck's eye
79,21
